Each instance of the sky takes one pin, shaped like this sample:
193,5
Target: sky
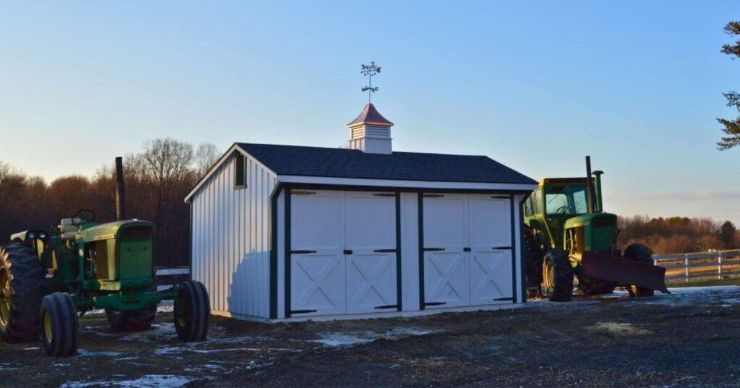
535,85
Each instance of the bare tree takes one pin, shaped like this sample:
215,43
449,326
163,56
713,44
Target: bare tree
205,156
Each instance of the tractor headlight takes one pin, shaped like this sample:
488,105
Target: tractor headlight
31,235
42,235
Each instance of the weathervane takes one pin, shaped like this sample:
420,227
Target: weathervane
369,71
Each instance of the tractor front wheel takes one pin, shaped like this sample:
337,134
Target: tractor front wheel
131,320
59,325
192,310
21,277
639,252
557,276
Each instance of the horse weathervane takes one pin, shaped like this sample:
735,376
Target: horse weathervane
369,71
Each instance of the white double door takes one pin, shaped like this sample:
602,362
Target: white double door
343,252
467,254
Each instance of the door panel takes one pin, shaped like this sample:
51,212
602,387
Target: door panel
371,267
446,267
318,268
490,256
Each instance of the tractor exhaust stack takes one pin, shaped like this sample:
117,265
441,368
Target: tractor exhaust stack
120,191
589,186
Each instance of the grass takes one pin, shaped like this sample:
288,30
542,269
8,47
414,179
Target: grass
701,282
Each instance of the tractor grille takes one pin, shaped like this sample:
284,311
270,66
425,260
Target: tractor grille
136,234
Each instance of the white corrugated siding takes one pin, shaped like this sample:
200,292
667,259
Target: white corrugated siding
231,239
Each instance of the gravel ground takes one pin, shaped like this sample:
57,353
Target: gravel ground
688,338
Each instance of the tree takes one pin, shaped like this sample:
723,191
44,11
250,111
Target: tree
731,128
205,156
727,234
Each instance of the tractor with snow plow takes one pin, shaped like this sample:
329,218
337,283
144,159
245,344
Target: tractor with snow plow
568,235
48,281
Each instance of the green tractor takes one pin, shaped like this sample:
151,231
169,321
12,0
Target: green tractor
567,234
48,281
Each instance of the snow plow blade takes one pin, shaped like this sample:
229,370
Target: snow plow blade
624,271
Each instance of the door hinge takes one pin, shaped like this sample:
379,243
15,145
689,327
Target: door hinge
302,311
467,249
389,250
348,252
500,196
432,195
434,303
301,252
502,299
387,306
384,194
502,248
433,249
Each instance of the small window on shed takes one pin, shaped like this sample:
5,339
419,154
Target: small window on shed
240,171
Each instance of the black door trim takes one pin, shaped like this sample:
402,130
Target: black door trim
420,205
288,258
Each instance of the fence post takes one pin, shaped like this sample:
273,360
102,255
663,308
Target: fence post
686,266
719,265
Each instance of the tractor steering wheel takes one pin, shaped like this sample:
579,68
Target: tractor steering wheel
83,215
562,210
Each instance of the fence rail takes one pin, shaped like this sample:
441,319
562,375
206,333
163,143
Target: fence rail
688,266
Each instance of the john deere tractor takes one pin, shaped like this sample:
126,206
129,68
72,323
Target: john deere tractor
568,234
48,281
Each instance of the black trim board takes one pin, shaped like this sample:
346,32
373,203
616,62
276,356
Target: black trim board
399,283
191,240
420,205
287,253
513,250
319,186
522,259
274,251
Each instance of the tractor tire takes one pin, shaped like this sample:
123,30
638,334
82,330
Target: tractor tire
639,252
557,276
131,320
21,280
192,310
533,260
60,325
591,286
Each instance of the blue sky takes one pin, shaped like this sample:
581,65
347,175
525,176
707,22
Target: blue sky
535,85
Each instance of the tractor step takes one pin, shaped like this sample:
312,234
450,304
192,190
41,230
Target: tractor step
624,271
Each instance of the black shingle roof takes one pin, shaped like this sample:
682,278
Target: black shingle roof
347,163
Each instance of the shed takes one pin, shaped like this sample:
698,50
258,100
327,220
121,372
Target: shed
282,231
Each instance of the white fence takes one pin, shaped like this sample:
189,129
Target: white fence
687,266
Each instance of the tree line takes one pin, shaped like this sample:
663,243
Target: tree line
678,234
157,179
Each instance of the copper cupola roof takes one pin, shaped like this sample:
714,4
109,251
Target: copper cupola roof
370,116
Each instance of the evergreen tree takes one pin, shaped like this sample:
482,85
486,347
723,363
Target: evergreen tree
731,127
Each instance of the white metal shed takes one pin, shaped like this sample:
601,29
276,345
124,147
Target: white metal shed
298,232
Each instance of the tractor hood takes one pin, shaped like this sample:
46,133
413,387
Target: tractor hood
111,230
592,219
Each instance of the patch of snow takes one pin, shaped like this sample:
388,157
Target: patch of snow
59,365
87,353
619,328
333,340
32,348
147,381
358,338
155,334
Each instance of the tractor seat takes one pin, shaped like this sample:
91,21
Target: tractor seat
67,230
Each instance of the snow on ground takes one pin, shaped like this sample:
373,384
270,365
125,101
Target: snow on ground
158,332
358,338
619,328
684,296
87,353
147,381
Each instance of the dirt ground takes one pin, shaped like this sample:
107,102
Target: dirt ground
688,338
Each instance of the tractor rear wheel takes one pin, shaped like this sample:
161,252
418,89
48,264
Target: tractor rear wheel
557,276
639,252
192,309
131,320
21,278
60,325
591,286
